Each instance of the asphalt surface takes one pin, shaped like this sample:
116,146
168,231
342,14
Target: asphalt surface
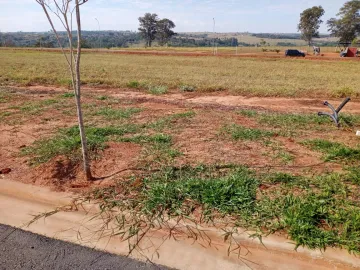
24,250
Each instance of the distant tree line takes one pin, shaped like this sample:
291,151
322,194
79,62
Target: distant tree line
277,36
90,39
206,42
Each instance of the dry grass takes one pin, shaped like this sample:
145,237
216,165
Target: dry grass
255,77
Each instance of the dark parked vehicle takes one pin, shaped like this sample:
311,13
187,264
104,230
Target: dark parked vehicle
294,53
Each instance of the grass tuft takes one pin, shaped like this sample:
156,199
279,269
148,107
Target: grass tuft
187,88
113,114
228,195
238,132
333,151
68,143
68,95
157,89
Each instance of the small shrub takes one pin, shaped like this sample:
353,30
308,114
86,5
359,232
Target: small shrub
158,90
187,88
133,84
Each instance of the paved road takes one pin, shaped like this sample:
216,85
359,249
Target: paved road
25,250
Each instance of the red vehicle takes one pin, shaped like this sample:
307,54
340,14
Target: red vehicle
349,52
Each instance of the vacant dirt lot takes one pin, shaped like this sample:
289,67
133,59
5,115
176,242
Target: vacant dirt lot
196,124
173,137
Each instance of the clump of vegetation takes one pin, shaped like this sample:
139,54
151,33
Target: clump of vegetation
113,114
293,121
133,84
248,113
164,122
344,92
142,139
157,89
187,88
67,143
333,150
102,98
238,132
315,213
228,195
353,175
68,95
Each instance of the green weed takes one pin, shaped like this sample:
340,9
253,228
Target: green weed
143,139
68,95
228,195
67,142
292,121
282,178
187,88
4,114
166,121
133,84
102,98
248,113
157,89
113,114
48,102
238,132
334,151
31,108
353,175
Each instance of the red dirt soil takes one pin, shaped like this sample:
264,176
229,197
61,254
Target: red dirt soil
198,138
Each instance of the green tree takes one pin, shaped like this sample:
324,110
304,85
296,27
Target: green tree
347,27
262,42
310,21
164,32
148,27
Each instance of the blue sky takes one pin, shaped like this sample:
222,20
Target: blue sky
189,15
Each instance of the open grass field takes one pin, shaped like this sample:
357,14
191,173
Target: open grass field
275,77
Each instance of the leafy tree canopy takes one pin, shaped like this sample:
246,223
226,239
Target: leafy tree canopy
310,21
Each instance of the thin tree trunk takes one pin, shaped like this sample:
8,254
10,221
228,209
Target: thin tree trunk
78,100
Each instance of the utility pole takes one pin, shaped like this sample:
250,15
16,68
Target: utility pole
99,33
214,37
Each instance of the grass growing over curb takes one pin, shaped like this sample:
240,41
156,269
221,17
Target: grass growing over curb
317,212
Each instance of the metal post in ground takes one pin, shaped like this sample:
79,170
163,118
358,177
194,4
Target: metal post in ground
99,33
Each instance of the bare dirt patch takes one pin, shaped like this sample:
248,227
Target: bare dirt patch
198,138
